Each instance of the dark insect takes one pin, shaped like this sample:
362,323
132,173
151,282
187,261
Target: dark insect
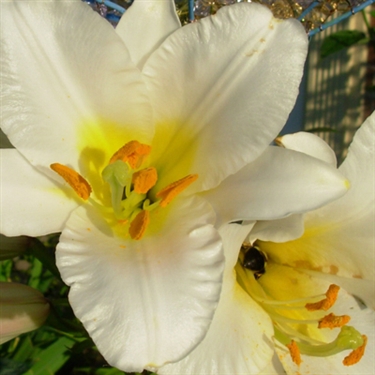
254,260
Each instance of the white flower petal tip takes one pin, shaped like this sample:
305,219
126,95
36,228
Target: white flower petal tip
23,309
279,183
148,302
309,144
145,25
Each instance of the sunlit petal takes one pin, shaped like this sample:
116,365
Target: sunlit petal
280,230
145,25
224,79
239,338
339,238
144,302
32,204
280,182
309,144
63,67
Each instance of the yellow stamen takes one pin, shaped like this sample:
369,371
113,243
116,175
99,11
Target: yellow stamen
294,352
332,321
326,303
139,225
172,190
356,355
74,179
144,180
132,152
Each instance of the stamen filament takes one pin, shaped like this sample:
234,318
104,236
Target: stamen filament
348,338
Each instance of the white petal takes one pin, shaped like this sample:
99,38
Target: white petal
274,367
223,88
363,321
233,236
144,302
340,237
31,203
145,25
65,72
281,230
279,183
309,144
238,341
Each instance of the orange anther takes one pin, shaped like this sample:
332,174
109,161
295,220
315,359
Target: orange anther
326,303
332,321
132,152
172,190
144,180
74,179
356,355
139,225
294,352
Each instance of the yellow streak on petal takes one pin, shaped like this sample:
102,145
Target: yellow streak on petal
74,179
144,180
294,352
326,303
172,190
332,321
132,152
139,225
356,355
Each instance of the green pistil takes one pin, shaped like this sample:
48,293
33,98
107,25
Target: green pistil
348,338
118,175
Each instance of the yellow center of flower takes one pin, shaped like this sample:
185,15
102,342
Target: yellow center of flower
131,187
297,321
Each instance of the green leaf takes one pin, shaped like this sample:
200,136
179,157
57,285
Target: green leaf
339,41
45,256
108,371
49,360
11,367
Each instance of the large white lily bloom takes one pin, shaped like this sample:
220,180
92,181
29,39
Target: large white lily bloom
337,247
156,130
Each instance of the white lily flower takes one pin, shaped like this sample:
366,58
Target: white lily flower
262,305
22,309
151,141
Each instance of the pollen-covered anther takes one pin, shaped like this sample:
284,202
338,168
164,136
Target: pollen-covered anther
326,303
356,355
74,179
133,153
294,352
172,190
332,321
144,180
139,225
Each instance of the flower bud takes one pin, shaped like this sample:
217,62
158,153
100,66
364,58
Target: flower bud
11,247
22,309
